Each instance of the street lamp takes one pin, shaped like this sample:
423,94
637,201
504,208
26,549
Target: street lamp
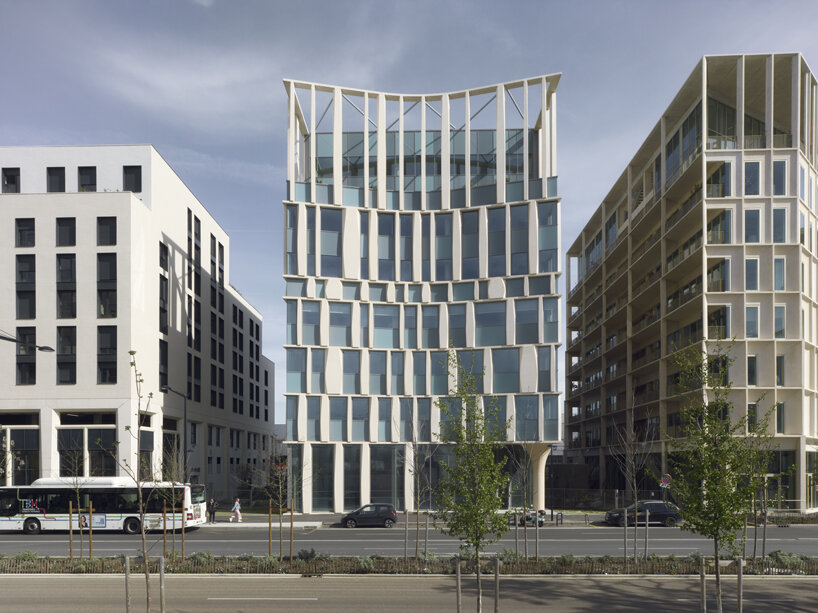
17,341
165,389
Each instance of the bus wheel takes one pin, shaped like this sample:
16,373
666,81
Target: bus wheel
131,526
31,526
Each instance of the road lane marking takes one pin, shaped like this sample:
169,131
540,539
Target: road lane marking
261,598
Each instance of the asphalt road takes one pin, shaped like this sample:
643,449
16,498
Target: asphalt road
250,594
234,540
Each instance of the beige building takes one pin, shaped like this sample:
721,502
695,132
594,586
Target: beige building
709,233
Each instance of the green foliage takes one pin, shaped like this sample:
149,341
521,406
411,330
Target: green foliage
472,483
508,555
716,467
200,557
426,556
365,563
26,556
306,555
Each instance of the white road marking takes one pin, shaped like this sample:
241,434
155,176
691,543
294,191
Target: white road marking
271,598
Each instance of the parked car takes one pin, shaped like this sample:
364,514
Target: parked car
665,513
371,515
517,517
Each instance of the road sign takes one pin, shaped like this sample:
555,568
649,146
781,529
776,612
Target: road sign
665,481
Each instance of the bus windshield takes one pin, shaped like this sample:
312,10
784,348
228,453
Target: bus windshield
197,494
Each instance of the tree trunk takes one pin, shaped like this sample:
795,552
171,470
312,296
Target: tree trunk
718,575
635,524
426,536
144,550
764,534
755,527
516,535
525,523
280,532
479,583
417,531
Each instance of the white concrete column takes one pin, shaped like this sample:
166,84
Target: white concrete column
408,477
365,484
306,478
539,456
49,420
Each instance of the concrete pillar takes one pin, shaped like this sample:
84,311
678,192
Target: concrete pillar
365,486
539,455
306,478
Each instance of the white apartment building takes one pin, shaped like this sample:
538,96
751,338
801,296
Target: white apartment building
413,224
109,252
709,234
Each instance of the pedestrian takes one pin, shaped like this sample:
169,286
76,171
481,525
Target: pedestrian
236,511
211,510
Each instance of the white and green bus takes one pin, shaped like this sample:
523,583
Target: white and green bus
44,505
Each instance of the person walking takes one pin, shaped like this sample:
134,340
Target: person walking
236,511
211,510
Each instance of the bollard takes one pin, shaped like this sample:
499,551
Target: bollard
127,584
161,584
459,597
497,584
739,582
70,530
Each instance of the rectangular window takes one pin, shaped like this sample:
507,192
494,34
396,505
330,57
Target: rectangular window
424,419
352,372
26,356
526,418
519,240
494,409
106,231
406,420
410,326
470,248
66,355
317,371
352,476
490,323
802,230
548,236
426,248
386,246
443,247
419,372
457,325
386,322
26,272
310,322
292,418
26,304
132,179
440,372
310,240
397,373
106,354
779,225
313,418
779,274
780,413
55,179
430,332
752,370
780,321
526,321
340,319
506,363
66,232
291,218
751,274
364,325
752,176
377,372
337,419
24,232
163,367
11,180
471,364
497,242
752,226
751,322
752,415
296,370
544,369
87,178
779,178
384,420
364,245
406,248
331,243
360,419
550,320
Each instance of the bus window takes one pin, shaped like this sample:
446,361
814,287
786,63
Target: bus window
197,494
127,502
58,502
8,503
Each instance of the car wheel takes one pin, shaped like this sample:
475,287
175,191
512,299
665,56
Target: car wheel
388,523
351,523
670,522
131,526
31,526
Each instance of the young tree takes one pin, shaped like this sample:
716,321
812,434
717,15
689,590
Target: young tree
473,484
713,466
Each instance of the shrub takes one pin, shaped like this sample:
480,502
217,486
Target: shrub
365,563
306,556
427,556
26,556
567,559
508,556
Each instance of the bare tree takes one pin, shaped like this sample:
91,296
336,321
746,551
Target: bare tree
631,452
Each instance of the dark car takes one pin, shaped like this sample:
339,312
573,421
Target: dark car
371,515
528,518
665,513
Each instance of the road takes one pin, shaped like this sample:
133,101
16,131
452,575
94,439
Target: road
578,540
250,594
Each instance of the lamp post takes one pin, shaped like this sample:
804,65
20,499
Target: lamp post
17,341
165,389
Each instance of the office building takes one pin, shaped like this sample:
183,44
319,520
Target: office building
414,223
110,253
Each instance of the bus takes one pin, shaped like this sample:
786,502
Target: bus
43,505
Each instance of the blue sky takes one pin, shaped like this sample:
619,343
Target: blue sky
201,80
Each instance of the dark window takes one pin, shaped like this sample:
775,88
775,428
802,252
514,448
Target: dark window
55,179
66,304
106,230
106,299
163,304
66,355
66,231
11,180
72,462
163,364
132,178
106,267
26,356
26,269
24,232
87,178
26,304
66,268
106,354
163,256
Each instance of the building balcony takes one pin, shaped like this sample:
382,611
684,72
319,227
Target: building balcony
755,141
683,210
647,244
782,141
688,157
678,299
717,332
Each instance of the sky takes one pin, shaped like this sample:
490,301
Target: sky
201,80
